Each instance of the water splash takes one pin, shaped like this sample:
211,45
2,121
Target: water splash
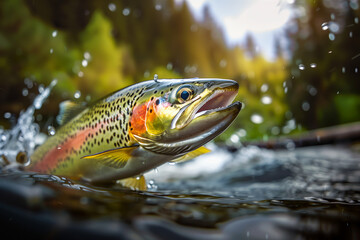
26,134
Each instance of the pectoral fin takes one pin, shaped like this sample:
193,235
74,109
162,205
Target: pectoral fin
191,155
115,158
134,183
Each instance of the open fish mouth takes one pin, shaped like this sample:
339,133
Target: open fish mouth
201,121
220,100
216,96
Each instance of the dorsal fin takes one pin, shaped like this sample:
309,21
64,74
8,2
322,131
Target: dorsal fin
68,110
191,155
115,158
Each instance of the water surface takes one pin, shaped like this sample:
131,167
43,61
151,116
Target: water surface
250,193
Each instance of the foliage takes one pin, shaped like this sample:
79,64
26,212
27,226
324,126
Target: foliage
99,46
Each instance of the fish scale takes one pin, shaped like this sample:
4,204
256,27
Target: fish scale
103,126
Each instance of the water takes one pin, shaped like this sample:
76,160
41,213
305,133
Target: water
231,193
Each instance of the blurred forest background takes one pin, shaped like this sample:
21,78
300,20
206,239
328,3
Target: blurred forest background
95,47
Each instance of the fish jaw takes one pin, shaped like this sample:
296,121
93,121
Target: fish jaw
200,121
216,93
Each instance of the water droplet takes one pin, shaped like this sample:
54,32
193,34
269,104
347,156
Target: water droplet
151,185
234,138
338,92
126,11
158,7
41,88
354,5
356,20
312,90
51,51
343,69
25,92
58,148
332,16
313,65
350,34
241,132
137,178
325,26
51,130
266,100
77,94
190,69
87,56
84,63
264,87
301,66
155,77
257,119
54,33
305,106
3,138
112,7
39,117
28,83
146,74
334,27
356,70
290,145
275,130
330,52
223,63
169,66
80,74
331,36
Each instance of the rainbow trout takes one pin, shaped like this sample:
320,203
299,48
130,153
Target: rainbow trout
137,129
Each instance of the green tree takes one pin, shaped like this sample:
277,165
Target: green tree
323,67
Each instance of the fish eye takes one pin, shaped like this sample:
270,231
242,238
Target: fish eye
184,94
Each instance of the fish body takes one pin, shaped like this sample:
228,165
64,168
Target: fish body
138,128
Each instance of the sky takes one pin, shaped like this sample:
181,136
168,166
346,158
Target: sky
264,19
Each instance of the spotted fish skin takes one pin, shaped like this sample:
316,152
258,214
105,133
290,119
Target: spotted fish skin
138,128
105,125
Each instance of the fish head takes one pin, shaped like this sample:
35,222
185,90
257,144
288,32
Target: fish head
177,116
